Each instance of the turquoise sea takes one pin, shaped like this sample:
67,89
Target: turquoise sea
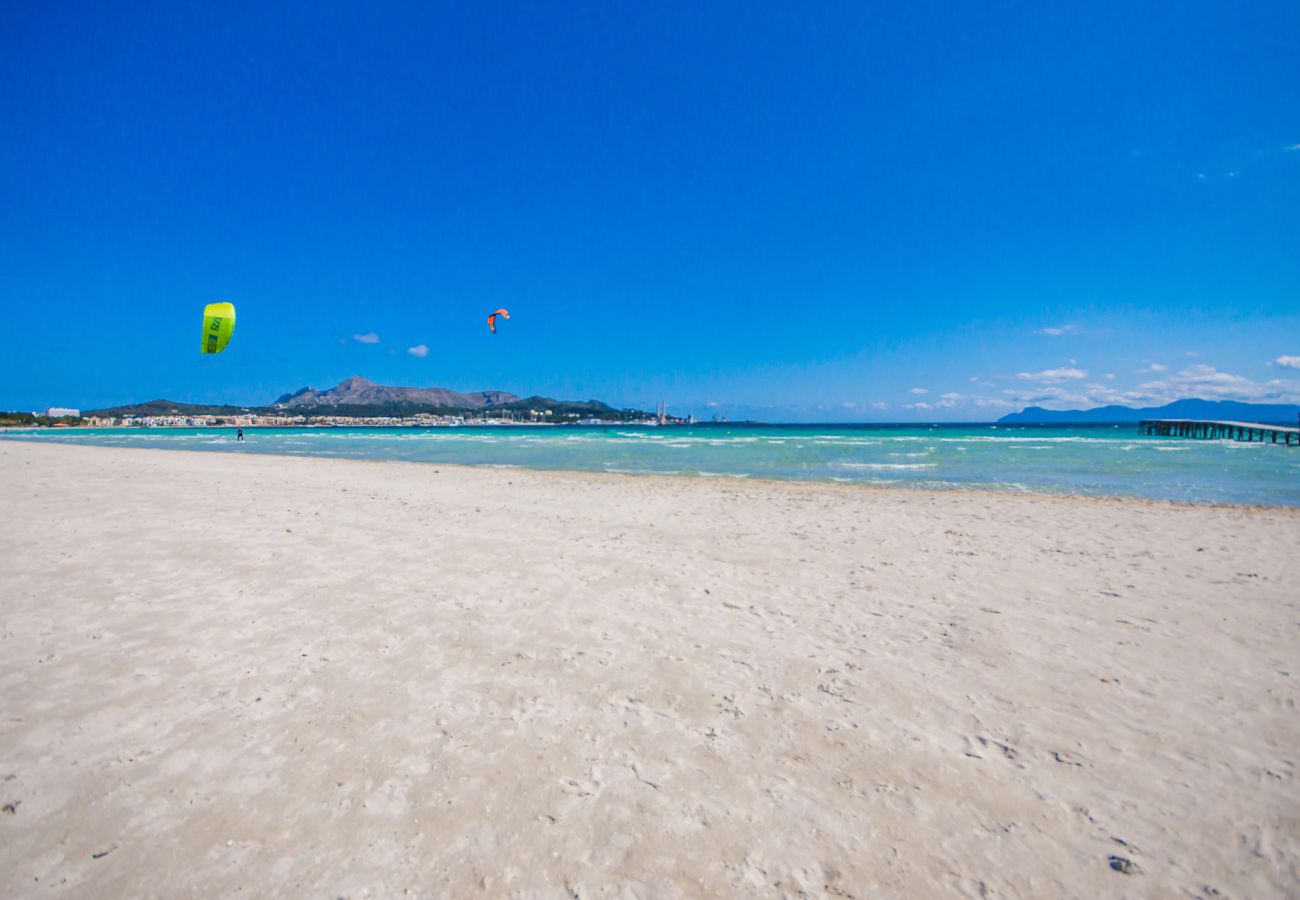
1097,460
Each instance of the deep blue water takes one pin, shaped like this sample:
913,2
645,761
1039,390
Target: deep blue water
1097,460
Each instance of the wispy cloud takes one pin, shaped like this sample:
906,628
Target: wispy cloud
1289,362
945,401
419,351
1200,380
368,338
918,391
1292,147
1059,330
1049,376
993,403
1197,380
1155,367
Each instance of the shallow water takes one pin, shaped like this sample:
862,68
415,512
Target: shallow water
1097,460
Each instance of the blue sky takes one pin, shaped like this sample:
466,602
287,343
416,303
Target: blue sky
848,211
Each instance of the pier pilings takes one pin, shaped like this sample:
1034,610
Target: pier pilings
1212,430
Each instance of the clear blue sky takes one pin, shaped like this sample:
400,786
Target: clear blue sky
792,211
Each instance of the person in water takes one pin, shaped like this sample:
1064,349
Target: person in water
239,435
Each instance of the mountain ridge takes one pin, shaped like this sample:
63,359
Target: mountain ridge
1188,408
359,391
358,397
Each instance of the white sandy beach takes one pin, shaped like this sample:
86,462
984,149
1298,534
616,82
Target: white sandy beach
229,674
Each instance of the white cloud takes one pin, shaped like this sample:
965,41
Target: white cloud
1197,380
419,351
880,404
945,401
1058,330
1052,375
1155,367
993,402
368,338
1290,362
1051,396
1292,147
1200,380
918,391
1067,389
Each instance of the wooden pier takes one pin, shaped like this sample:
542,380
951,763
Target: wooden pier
1232,431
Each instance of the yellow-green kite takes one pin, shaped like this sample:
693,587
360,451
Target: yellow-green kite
218,326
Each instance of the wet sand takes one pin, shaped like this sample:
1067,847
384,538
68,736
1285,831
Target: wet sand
226,673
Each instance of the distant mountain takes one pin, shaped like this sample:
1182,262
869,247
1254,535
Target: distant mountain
168,408
1230,410
560,407
360,392
358,397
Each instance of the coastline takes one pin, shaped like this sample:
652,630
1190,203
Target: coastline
274,672
774,483
1158,472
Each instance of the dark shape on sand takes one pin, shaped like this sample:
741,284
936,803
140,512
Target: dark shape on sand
1123,866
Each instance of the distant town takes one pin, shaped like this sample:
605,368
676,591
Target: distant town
72,418
425,420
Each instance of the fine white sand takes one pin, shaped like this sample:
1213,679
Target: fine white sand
258,675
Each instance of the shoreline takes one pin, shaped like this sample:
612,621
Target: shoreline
1289,509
